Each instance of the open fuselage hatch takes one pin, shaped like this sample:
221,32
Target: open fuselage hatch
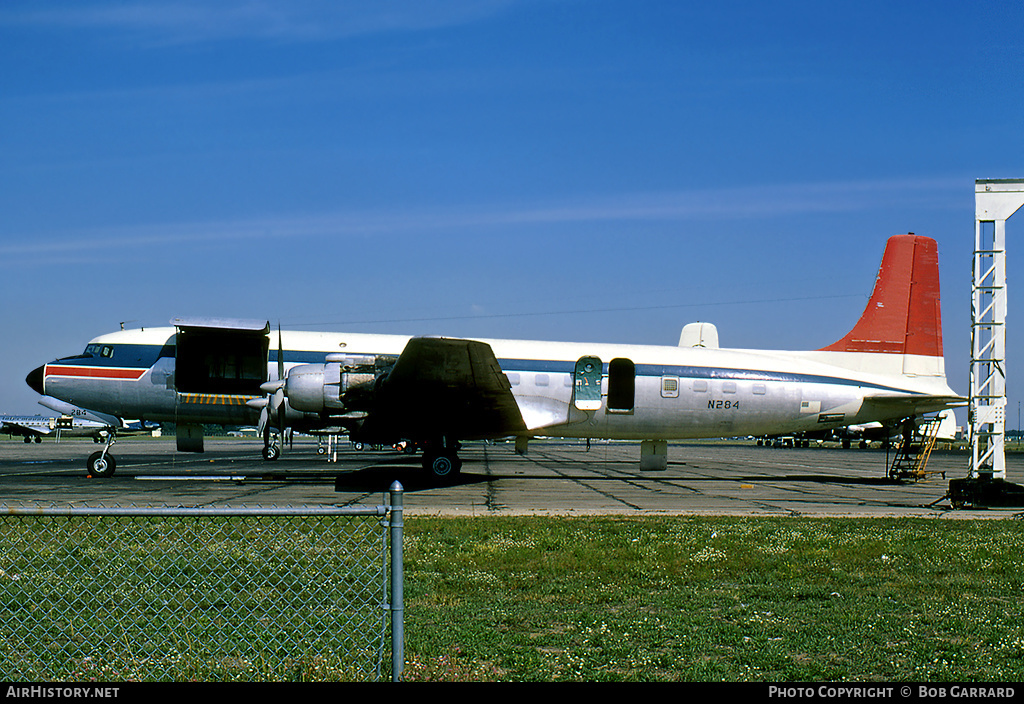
218,364
218,357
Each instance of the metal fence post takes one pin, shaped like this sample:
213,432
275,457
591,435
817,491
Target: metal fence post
397,580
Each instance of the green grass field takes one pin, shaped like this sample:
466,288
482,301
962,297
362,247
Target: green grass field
709,599
538,599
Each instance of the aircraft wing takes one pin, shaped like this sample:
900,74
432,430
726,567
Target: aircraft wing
444,387
13,427
67,409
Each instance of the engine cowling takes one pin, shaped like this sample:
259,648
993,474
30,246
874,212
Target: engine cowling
339,386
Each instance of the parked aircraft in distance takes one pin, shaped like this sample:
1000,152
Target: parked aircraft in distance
33,428
437,392
73,422
864,434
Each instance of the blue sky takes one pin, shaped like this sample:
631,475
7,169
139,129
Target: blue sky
552,169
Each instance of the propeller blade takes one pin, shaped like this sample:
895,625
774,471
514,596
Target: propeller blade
279,393
279,408
271,387
280,353
264,426
273,405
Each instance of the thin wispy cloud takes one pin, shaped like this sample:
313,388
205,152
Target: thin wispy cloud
188,21
702,204
750,201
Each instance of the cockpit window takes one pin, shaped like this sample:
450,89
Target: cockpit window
105,351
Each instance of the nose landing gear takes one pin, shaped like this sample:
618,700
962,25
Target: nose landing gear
101,464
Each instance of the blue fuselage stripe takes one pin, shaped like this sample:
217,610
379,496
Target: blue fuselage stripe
145,356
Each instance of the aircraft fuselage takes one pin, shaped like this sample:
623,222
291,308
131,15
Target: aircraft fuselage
646,392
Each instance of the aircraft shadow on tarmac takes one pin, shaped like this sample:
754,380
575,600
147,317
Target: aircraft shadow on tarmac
412,478
822,479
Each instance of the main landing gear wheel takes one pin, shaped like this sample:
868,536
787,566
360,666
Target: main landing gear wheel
271,452
101,465
442,464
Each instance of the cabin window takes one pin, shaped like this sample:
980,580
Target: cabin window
621,385
760,390
700,385
670,387
541,380
729,387
513,378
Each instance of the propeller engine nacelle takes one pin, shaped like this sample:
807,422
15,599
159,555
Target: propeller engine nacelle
342,385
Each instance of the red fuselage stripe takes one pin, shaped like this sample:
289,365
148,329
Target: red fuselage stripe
95,372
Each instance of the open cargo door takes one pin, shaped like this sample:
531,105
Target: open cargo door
216,356
218,363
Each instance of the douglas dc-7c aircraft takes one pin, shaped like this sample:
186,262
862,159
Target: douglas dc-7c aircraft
439,391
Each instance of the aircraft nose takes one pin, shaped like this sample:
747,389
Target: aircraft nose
35,379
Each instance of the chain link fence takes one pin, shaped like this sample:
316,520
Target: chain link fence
136,594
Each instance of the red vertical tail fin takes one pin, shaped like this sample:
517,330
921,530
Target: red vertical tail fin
902,315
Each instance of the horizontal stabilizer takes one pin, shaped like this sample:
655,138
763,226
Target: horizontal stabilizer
914,404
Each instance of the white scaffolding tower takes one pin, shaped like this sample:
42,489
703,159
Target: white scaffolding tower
995,200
